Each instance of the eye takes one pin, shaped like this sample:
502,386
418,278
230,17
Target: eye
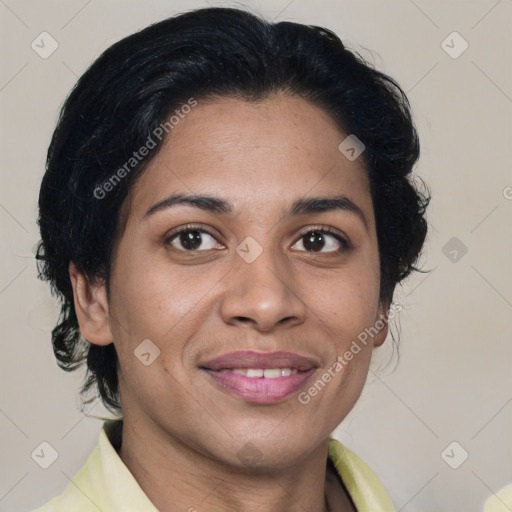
316,240
196,239
192,238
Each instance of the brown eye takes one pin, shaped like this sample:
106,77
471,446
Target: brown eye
319,239
192,239
314,241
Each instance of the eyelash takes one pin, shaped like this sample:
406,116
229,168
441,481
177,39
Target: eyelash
344,243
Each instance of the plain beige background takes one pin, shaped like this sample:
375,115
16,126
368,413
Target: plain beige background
453,382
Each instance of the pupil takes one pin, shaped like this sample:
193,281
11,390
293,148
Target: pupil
191,239
314,241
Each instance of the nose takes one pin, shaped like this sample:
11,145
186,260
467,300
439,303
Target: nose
261,295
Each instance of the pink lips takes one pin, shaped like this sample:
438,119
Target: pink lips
260,390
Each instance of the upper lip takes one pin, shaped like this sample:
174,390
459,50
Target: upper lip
263,360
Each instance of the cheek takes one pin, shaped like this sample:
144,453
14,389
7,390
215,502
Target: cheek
347,303
150,297
164,306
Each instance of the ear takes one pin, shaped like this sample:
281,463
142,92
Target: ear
91,307
381,323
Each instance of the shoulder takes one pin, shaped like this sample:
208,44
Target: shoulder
104,482
79,493
363,485
501,501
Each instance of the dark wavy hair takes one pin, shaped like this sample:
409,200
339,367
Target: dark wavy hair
133,88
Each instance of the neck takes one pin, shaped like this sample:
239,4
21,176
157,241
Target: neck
186,479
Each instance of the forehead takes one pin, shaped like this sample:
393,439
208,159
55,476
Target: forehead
259,154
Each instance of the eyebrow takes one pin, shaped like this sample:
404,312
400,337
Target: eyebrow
301,206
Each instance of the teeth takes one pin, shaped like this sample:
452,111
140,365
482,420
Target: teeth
254,373
268,373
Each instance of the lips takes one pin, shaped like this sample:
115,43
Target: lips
251,359
260,377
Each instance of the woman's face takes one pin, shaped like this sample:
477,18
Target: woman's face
248,277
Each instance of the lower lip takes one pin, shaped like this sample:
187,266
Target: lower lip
260,389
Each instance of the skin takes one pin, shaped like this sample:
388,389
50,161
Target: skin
181,433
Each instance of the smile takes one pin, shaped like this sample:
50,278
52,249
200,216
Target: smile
266,373
260,377
258,385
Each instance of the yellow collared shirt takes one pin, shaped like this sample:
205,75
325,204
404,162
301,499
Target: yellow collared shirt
105,484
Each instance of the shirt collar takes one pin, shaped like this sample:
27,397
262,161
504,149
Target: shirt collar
109,484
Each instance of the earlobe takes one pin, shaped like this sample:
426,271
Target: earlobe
382,325
91,307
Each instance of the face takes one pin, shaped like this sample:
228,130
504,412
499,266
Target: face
253,270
